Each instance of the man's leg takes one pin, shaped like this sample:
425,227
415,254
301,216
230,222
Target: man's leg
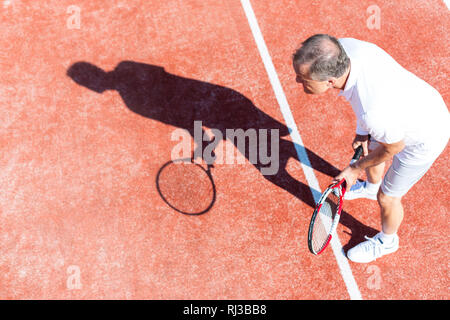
386,241
375,174
391,212
398,180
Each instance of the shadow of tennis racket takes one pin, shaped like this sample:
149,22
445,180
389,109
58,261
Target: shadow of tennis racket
186,187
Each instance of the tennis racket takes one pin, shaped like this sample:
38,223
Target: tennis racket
327,213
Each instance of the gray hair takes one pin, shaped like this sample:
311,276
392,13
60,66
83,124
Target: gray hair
324,55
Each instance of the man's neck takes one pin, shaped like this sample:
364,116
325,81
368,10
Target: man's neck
342,81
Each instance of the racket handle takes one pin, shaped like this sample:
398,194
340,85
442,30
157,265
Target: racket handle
357,155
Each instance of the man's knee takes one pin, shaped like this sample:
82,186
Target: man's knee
386,201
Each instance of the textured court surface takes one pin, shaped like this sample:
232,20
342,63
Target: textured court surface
80,215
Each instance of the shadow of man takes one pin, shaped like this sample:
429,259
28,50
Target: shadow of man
151,92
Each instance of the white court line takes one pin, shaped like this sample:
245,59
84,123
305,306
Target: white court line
336,245
447,3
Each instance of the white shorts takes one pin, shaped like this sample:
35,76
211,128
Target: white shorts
402,176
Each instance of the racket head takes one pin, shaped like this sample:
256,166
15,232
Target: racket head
325,217
186,187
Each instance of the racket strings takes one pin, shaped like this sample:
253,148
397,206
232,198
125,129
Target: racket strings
322,227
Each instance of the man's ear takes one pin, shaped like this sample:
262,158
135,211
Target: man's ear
331,82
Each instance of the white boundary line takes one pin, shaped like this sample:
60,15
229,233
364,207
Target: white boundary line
336,245
447,3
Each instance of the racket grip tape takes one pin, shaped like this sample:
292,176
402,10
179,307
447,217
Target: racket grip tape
357,155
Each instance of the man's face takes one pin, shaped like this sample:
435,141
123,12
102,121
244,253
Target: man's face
309,86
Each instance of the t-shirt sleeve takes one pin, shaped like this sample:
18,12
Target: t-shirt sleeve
383,129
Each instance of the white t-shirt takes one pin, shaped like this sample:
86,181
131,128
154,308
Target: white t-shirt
392,104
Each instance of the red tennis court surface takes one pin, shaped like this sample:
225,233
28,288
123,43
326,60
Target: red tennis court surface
80,213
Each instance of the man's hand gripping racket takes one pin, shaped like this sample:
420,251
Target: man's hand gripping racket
327,213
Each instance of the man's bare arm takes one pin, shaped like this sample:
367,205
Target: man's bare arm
383,153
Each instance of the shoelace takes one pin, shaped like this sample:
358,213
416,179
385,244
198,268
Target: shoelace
375,244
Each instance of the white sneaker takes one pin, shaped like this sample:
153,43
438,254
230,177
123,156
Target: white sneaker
372,249
359,190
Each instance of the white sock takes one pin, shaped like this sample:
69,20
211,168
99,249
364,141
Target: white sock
372,187
386,238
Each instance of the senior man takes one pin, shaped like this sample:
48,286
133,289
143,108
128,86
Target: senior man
399,117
